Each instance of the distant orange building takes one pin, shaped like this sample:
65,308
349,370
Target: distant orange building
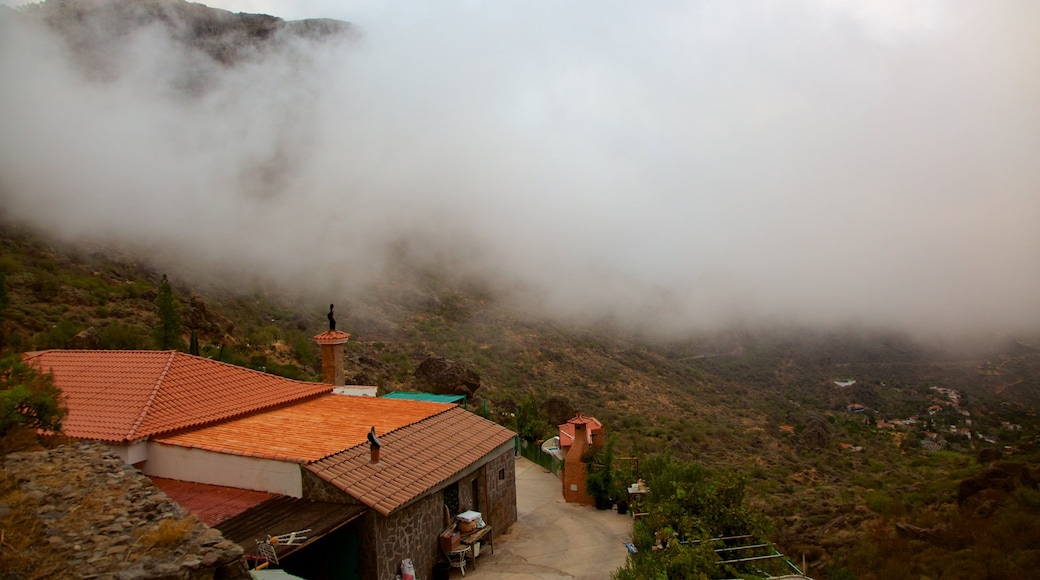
577,436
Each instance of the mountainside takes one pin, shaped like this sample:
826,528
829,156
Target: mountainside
872,452
764,403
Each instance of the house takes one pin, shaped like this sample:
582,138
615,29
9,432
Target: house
578,435
855,408
256,455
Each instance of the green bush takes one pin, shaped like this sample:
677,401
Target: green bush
121,336
28,398
57,335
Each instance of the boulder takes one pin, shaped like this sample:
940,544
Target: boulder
447,377
89,339
558,408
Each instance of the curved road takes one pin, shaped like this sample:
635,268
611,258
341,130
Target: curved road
551,539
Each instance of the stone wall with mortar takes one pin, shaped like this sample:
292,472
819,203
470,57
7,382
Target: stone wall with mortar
500,490
409,533
98,512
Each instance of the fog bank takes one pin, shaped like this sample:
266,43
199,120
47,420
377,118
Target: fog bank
678,164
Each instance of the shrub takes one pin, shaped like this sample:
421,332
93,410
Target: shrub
121,336
28,398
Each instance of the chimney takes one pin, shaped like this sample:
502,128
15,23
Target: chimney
373,445
332,342
580,437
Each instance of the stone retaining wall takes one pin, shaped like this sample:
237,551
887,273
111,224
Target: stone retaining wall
107,519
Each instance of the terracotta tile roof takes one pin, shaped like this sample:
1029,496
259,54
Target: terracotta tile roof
211,503
124,396
413,460
331,337
309,430
592,426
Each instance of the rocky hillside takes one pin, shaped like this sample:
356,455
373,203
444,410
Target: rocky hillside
874,453
765,403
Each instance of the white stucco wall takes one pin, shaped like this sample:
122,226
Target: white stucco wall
352,391
131,453
199,466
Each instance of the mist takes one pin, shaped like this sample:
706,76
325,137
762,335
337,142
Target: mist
676,165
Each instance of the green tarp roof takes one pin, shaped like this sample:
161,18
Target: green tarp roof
429,397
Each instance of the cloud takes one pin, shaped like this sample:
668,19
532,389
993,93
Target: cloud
680,165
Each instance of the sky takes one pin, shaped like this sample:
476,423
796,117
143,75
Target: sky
680,165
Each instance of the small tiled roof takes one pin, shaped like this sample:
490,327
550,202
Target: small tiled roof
413,460
122,396
332,337
211,503
306,431
592,426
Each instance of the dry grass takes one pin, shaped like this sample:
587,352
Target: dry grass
24,551
19,439
167,534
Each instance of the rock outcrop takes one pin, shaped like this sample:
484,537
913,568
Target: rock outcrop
104,519
447,377
89,339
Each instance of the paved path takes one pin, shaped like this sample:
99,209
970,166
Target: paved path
551,539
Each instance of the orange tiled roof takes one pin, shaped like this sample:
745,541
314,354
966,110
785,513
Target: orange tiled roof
592,426
309,430
211,503
331,337
123,396
413,459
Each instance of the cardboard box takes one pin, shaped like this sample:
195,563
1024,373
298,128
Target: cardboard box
468,516
450,540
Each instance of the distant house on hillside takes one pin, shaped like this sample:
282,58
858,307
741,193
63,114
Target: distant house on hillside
578,435
256,455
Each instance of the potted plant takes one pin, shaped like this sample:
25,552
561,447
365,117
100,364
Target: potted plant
620,493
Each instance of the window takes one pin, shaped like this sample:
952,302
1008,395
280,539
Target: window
476,495
501,474
451,498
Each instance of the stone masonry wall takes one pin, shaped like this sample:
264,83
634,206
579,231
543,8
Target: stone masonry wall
410,533
103,515
500,510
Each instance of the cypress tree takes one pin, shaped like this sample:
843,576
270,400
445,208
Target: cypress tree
168,333
193,344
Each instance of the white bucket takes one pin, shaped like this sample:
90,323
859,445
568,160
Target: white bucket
476,549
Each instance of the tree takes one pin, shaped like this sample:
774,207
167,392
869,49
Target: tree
193,343
531,422
28,398
168,333
690,504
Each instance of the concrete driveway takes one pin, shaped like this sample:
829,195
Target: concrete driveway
551,539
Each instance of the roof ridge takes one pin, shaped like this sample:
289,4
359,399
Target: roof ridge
231,416
151,398
251,370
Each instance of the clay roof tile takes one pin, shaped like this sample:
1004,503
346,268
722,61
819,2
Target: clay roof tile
124,396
